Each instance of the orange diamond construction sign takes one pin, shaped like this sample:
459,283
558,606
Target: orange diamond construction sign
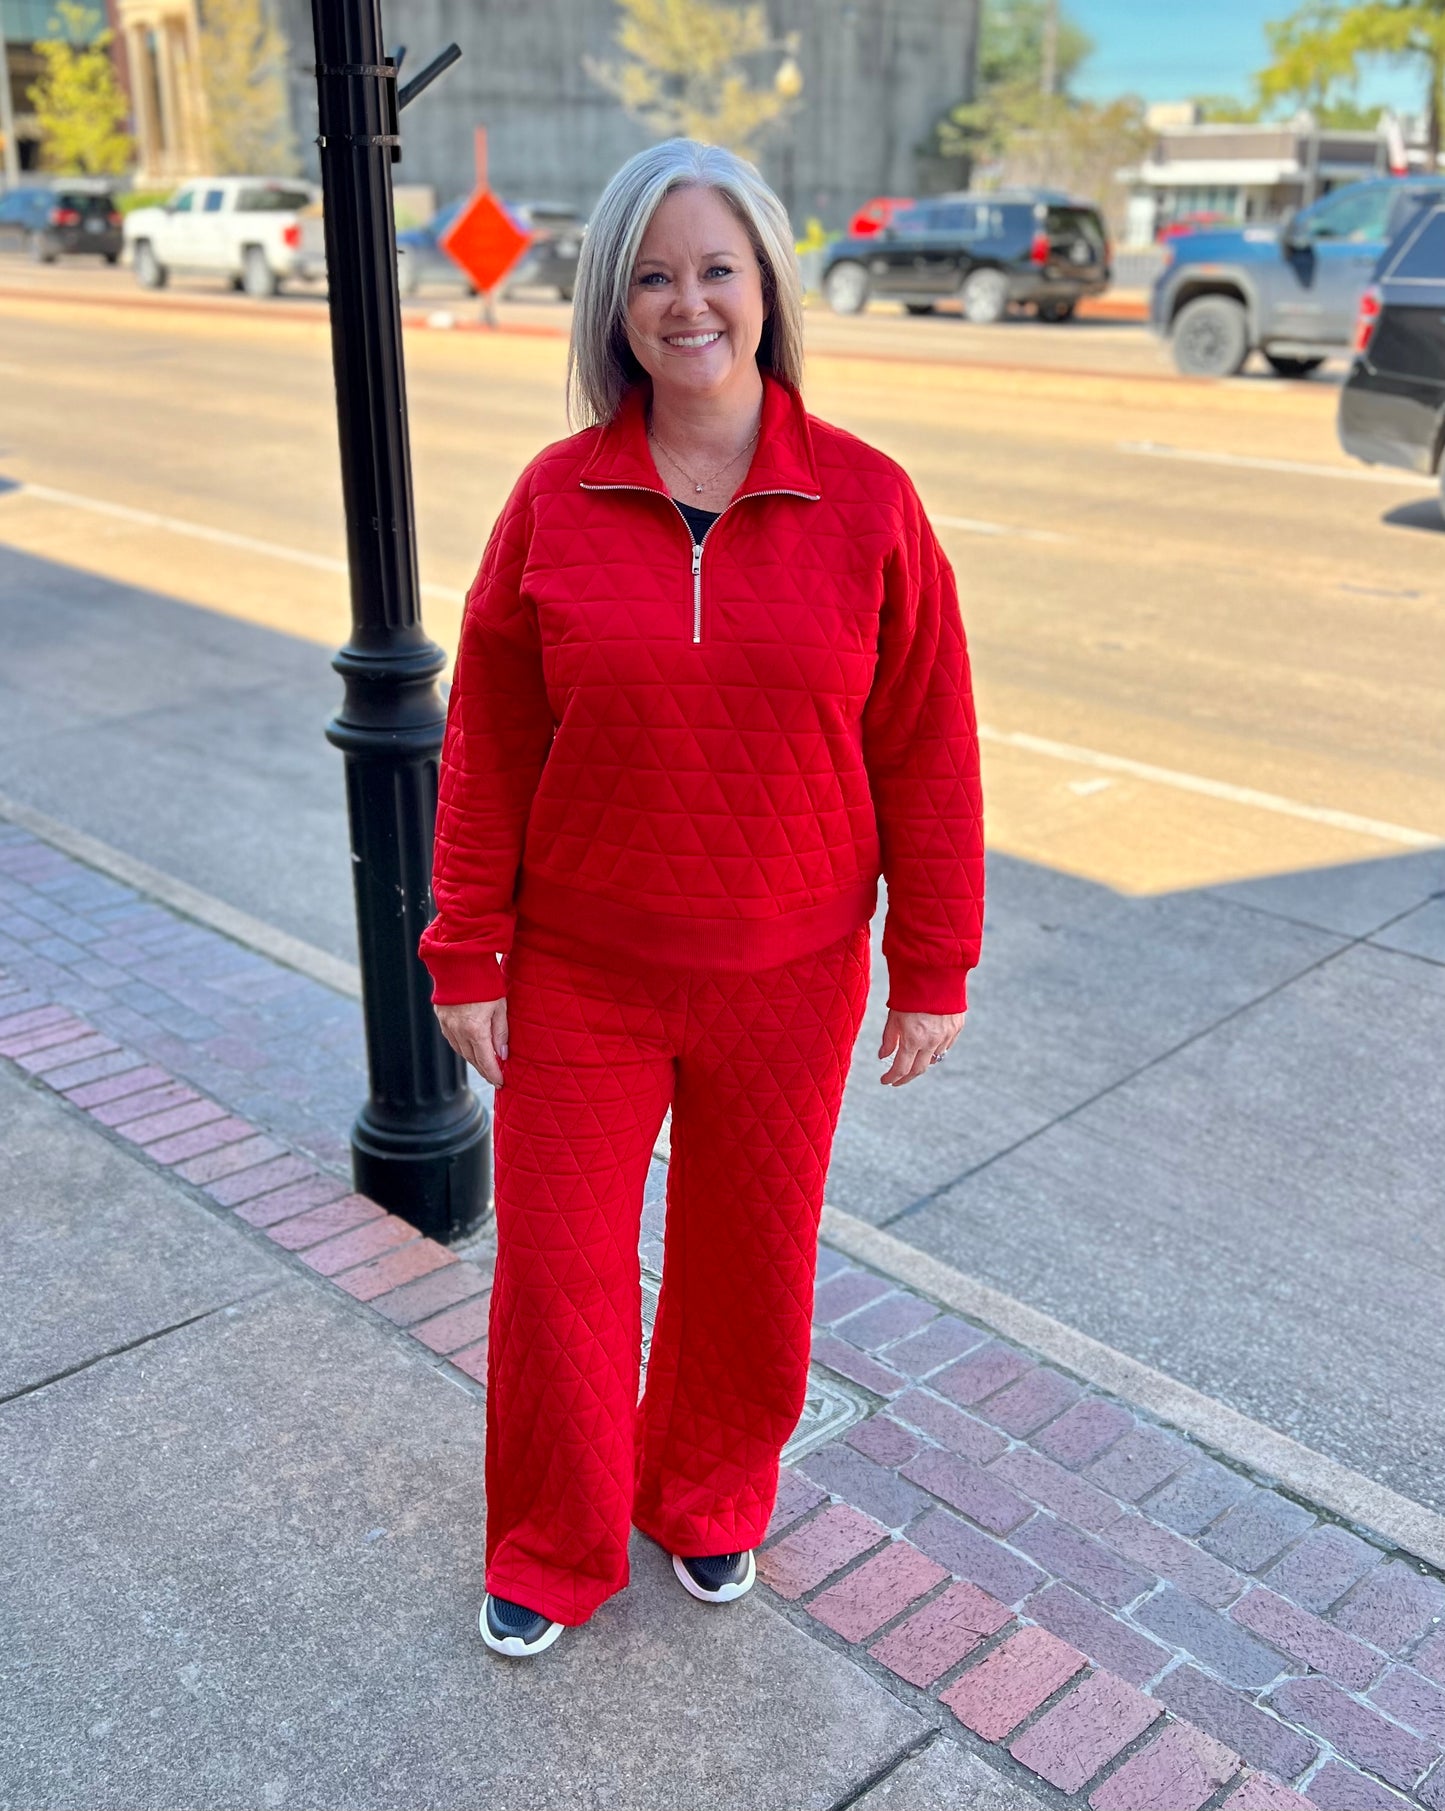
484,240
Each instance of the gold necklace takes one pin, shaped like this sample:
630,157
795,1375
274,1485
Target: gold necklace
691,476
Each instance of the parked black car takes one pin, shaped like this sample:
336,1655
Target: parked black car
990,251
1392,408
549,262
58,219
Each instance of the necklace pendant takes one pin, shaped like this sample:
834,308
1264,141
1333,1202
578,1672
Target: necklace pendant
699,487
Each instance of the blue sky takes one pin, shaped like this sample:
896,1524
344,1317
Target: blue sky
1169,49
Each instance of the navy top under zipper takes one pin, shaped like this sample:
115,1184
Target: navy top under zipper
698,520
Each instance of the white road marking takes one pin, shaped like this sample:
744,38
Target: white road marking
970,525
1154,449
1087,788
200,531
1214,789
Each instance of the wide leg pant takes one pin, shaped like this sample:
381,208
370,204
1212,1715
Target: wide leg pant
754,1066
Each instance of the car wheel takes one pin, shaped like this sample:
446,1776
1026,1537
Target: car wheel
846,288
1211,337
919,307
257,277
408,277
1056,311
984,297
1292,367
150,273
40,248
112,257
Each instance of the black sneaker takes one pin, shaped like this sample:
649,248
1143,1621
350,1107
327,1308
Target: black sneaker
511,1628
718,1578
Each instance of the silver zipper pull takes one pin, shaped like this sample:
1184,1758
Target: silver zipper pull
697,591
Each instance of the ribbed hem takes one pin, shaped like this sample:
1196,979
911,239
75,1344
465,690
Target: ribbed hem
463,976
918,988
679,940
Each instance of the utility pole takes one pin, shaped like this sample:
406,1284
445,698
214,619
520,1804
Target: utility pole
1050,82
7,111
421,1144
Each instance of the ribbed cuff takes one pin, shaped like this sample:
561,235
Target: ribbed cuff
461,977
923,988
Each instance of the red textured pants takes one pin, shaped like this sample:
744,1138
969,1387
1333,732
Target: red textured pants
754,1067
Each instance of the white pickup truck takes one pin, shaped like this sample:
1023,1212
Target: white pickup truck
257,230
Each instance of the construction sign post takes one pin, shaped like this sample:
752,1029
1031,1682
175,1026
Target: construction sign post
484,241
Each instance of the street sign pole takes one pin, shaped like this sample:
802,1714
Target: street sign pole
421,1145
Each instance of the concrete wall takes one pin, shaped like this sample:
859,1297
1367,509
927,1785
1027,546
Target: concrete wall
876,72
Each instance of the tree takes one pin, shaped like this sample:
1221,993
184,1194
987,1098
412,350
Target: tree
1013,63
243,63
684,71
1321,48
79,105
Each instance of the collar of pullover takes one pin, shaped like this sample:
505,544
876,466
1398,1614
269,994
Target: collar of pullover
782,460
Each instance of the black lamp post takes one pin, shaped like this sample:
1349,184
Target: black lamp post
421,1145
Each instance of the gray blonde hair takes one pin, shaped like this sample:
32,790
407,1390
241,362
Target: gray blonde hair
600,363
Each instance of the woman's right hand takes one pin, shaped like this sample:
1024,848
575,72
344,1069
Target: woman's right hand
478,1034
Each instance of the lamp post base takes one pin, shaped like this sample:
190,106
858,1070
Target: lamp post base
440,1178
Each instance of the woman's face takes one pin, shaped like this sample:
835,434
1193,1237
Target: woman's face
695,300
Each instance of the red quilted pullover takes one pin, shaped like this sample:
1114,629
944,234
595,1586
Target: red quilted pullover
708,756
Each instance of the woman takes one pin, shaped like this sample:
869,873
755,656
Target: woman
712,680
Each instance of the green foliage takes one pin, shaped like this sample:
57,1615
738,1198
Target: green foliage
1319,52
243,59
142,198
79,105
683,70
1226,110
1010,90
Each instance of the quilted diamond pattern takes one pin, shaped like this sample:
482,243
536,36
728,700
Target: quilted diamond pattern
754,1066
716,772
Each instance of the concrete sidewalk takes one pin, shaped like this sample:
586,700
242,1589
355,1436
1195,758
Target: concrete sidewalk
244,1434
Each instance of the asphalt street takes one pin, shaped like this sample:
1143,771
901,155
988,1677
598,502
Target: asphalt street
1196,1112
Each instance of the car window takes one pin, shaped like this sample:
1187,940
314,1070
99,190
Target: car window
910,223
1359,214
272,200
957,217
215,200
184,202
1422,259
1076,223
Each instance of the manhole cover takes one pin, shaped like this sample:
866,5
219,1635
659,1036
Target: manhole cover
830,1406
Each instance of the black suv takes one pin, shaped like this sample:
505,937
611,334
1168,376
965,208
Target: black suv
987,251
61,218
1392,408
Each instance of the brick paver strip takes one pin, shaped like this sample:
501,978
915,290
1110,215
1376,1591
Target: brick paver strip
1174,1558
889,1318
954,1428
977,1493
93,1069
1256,1533
1083,1432
993,1697
231,1191
155,1126
1071,1554
409,1261
1324,1565
1038,1397
1305,1637
313,1190
882,1440
65,1030
1213,1639
1339,1788
877,1591
1062,1491
1085,1730
1197,1497
815,1550
455,1327
846,1292
975,1556
326,1222
213,1136
1098,1633
1263,1740
934,1639
472,1360
1261,1793
1429,1657
872,1488
1413,1701
1178,1771
1360,1734
15,1024
356,1247
226,1160
1141,1461
1392,1607
46,1062
130,1106
945,1339
134,1080
796,1496
978,1375
430,1294
847,1361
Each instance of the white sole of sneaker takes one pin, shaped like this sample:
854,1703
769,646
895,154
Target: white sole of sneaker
514,1645
728,1592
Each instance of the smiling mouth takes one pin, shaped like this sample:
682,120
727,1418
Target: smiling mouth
692,339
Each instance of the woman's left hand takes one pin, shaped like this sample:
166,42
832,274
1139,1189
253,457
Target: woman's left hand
913,1039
